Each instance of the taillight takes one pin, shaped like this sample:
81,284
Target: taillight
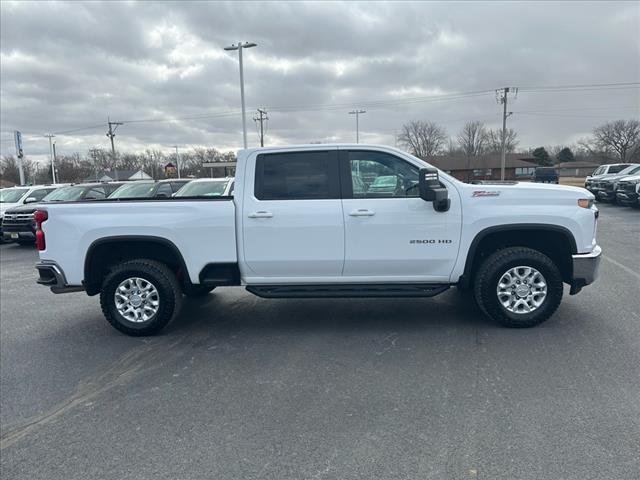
40,216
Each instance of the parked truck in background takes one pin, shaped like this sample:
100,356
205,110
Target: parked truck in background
312,221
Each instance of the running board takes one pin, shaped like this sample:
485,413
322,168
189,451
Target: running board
348,290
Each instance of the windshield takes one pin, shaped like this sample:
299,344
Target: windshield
630,170
64,194
12,195
134,190
213,188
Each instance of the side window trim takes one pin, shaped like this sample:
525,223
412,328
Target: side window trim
334,176
345,174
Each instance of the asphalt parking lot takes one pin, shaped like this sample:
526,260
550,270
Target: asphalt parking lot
244,388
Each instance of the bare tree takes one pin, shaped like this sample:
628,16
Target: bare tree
621,137
494,141
472,139
9,169
423,139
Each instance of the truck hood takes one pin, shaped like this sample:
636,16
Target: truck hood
6,206
630,178
614,178
29,208
540,192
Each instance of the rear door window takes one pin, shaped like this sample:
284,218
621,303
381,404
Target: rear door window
297,176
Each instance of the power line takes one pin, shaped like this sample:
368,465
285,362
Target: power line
91,127
376,104
583,85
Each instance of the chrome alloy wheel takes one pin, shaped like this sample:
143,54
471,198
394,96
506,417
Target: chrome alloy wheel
522,289
137,299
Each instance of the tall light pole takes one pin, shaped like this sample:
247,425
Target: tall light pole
240,46
357,114
177,160
53,167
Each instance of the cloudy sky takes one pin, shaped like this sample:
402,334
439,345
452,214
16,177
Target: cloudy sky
161,68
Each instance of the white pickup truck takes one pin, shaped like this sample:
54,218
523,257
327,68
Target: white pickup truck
326,221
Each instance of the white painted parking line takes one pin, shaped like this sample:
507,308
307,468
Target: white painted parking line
623,267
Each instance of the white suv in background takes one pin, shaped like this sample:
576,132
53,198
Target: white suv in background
15,196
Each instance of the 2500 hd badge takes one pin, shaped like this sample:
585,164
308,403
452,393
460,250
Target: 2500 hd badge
430,241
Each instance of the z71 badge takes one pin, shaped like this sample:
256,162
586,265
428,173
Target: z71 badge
486,193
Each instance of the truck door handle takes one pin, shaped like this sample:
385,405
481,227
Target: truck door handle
261,214
362,212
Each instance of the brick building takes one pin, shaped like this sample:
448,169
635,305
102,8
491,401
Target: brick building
485,167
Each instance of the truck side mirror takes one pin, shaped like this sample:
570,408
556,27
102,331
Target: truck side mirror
432,191
30,200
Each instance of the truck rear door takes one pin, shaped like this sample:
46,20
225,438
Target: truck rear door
293,224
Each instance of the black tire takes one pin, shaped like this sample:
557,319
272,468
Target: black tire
162,278
490,273
192,291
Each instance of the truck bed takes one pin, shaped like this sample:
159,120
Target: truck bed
202,229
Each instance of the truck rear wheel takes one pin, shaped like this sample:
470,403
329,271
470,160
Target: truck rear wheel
518,287
140,297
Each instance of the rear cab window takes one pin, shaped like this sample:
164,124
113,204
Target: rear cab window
306,175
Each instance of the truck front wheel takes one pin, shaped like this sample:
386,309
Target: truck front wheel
518,287
140,297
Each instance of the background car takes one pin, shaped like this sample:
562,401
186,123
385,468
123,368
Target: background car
628,192
207,187
17,223
149,189
605,189
15,196
545,175
602,171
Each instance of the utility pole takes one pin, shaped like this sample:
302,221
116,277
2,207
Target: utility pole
240,46
262,118
177,160
112,133
357,114
51,156
55,157
19,154
503,153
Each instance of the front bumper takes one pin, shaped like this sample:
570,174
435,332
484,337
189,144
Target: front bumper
14,236
627,198
51,275
585,269
605,195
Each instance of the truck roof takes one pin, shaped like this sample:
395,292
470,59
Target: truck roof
320,146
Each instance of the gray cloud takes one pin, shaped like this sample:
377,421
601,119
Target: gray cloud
70,65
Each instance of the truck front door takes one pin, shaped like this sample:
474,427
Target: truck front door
391,234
